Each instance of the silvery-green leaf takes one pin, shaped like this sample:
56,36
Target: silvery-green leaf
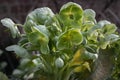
104,42
88,55
20,51
109,29
103,23
7,22
17,72
39,39
112,37
28,24
40,15
23,41
36,61
89,15
43,29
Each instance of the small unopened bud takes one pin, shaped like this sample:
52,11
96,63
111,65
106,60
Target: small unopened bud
59,62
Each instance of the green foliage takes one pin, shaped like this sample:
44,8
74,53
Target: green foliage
3,64
69,39
3,76
11,25
58,46
21,52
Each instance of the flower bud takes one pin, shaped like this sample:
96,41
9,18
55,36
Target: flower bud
59,62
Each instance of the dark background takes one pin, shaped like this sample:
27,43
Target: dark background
18,9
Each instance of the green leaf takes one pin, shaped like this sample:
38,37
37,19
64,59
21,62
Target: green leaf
23,41
3,76
107,40
53,25
89,15
7,22
24,61
109,29
28,24
93,29
40,15
17,72
88,55
87,26
112,37
20,51
39,39
38,63
103,23
69,39
44,48
43,29
26,64
71,14
93,36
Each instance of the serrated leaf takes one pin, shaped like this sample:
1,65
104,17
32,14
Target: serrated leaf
20,51
69,39
7,22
